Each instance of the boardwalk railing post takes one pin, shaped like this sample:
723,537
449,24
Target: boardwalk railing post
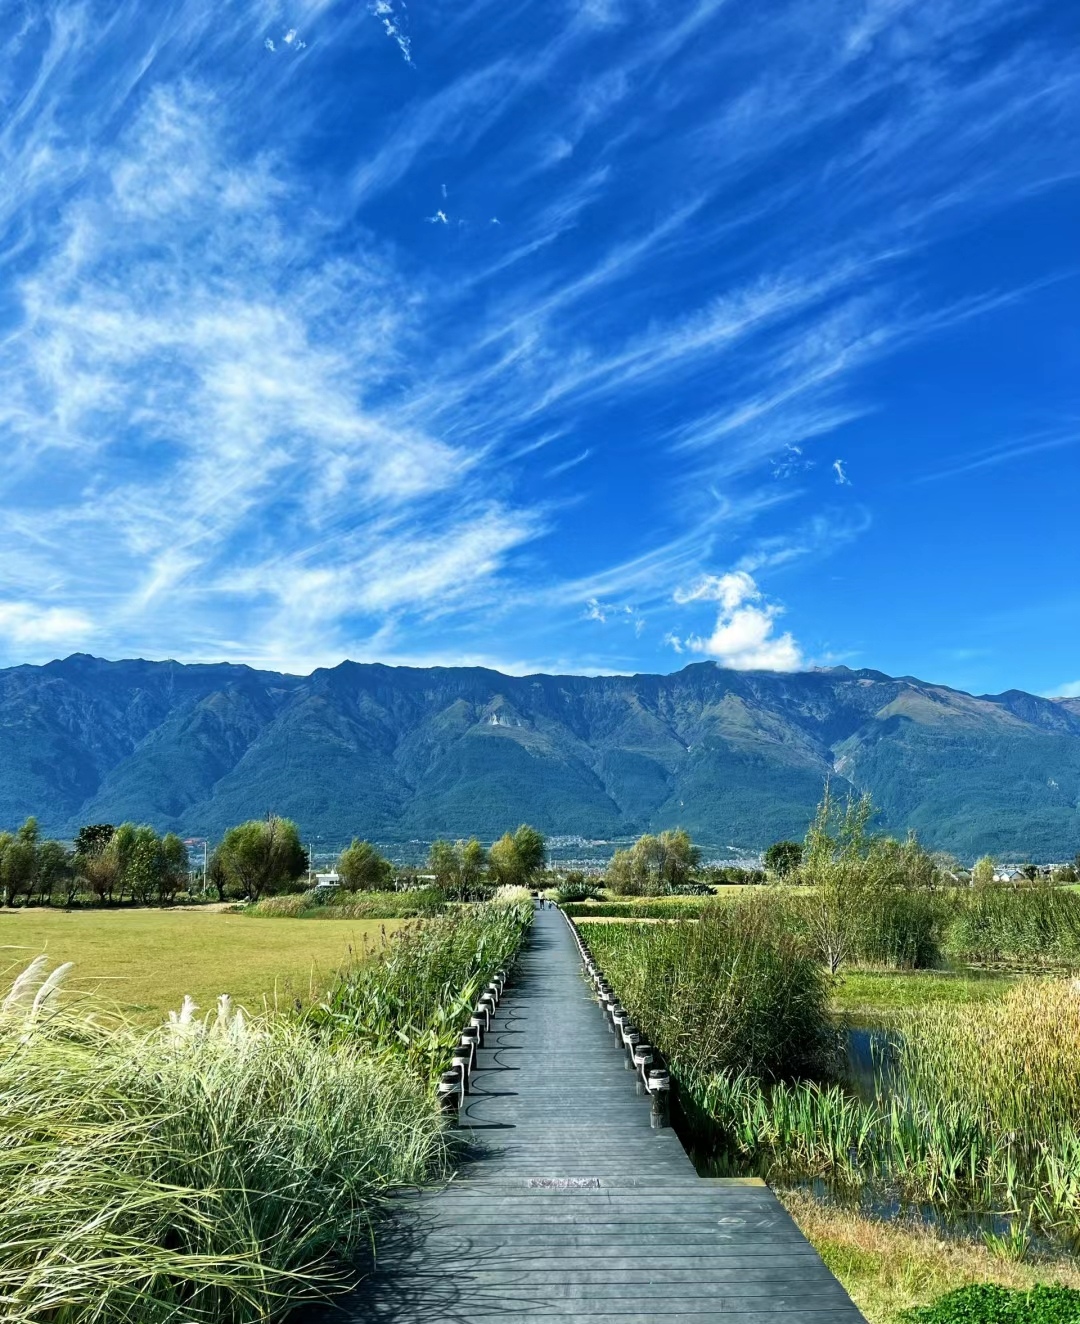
462,1058
450,1095
630,1037
643,1059
659,1083
471,1036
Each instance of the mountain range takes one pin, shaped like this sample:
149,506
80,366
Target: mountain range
397,753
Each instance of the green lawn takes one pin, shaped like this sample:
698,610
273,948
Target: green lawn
865,993
146,960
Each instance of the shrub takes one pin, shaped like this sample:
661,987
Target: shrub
986,1303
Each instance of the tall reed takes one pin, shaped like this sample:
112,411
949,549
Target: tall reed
732,992
980,1108
222,1171
341,903
1034,925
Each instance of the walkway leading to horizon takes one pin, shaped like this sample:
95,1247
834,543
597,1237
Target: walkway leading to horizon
575,1209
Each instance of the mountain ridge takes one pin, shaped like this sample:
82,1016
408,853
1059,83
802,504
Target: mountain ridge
397,752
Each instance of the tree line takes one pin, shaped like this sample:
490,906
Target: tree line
132,864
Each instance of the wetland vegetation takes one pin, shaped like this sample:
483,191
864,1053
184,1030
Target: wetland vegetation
965,1117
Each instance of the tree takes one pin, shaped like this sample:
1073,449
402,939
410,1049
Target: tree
834,864
362,868
654,864
95,865
262,856
623,876
18,866
101,873
517,857
783,858
459,867
175,865
53,868
92,839
217,875
982,871
141,866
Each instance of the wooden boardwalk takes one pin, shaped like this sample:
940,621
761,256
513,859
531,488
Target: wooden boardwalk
574,1208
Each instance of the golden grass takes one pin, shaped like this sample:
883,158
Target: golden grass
144,961
889,1267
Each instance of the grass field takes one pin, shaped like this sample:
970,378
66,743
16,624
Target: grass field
871,992
144,961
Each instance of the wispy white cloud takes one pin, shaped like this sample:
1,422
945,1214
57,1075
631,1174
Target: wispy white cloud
1005,452
28,625
567,465
209,392
393,20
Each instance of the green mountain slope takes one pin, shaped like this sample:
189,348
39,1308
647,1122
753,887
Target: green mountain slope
400,752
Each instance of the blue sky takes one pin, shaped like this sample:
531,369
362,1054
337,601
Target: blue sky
605,335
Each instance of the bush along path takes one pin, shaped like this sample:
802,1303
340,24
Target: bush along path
576,1202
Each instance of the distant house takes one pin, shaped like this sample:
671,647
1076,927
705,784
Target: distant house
331,879
1008,876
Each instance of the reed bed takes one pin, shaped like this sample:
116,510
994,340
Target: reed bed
733,992
1030,926
670,907
205,1171
415,1000
1014,1063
